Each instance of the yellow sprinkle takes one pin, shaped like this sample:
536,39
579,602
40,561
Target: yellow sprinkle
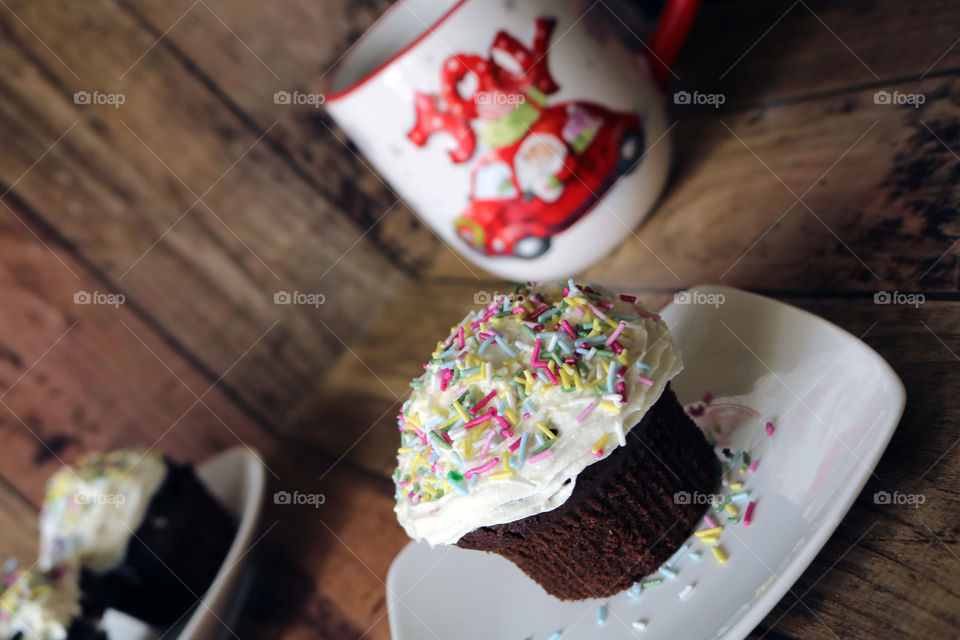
577,381
448,423
501,475
404,449
715,531
720,554
546,431
622,358
471,360
428,480
459,409
611,322
711,540
732,510
511,415
604,366
600,443
506,461
529,378
743,469
414,421
568,368
483,327
565,379
609,407
736,486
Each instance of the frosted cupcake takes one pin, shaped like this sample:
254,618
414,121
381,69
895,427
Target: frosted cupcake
544,429
147,536
44,606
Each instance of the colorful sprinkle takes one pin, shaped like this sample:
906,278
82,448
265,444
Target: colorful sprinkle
602,614
686,591
748,514
719,554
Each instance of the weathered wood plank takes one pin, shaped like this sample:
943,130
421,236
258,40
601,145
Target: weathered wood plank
81,377
206,271
249,51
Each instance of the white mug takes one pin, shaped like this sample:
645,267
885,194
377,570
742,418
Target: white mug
529,142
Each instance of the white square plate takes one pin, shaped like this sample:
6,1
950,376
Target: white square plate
835,403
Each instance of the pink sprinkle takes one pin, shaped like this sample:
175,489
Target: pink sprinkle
446,437
486,443
486,466
503,421
540,456
517,310
516,443
480,404
769,428
460,336
711,523
645,380
537,313
604,304
753,466
622,390
707,397
579,311
598,454
646,314
433,513
405,483
583,414
553,378
627,298
445,376
748,514
568,329
476,421
536,351
597,312
617,347
616,333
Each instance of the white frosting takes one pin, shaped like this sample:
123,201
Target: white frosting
38,607
546,483
92,509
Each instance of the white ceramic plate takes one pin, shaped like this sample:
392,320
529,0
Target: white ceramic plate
835,403
236,478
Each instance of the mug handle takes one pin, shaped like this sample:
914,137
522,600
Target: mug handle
668,37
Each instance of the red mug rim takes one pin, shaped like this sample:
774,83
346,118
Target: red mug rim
371,32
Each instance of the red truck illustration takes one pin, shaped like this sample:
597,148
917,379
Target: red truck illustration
546,165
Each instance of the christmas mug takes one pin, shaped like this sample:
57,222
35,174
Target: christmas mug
527,138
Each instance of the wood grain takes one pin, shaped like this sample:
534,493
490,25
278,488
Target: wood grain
109,180
248,51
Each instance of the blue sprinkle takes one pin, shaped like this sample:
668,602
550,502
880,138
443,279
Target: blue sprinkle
635,590
522,454
565,346
695,555
459,487
554,636
740,497
612,377
643,365
473,481
507,348
676,556
486,343
667,571
602,614
596,339
457,458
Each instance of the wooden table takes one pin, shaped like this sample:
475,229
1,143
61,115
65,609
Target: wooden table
198,199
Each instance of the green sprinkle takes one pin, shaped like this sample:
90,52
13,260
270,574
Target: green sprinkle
546,445
605,353
651,583
416,384
529,331
746,458
723,505
455,476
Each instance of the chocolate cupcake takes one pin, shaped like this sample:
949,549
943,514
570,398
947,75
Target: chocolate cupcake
544,430
147,535
44,606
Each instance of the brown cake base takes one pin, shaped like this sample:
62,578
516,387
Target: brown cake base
173,556
622,520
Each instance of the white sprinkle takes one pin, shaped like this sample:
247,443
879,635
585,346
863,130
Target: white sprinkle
686,591
640,625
